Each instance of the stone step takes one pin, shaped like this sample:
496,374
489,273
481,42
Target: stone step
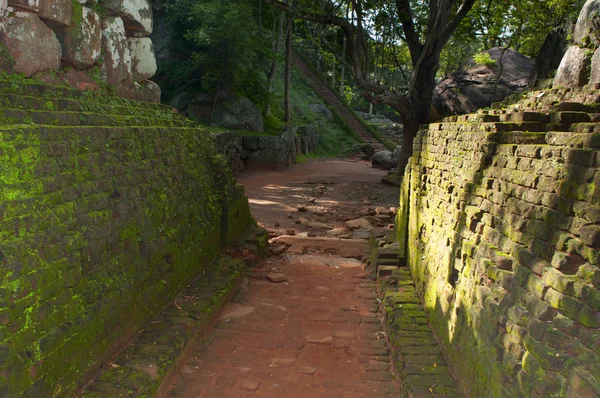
17,101
419,360
54,118
53,91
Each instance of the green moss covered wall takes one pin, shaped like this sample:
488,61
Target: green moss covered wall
503,239
99,228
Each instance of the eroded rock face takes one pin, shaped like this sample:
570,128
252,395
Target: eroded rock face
116,67
143,62
33,46
82,41
574,68
588,23
136,14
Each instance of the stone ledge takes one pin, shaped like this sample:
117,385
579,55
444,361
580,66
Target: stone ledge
142,366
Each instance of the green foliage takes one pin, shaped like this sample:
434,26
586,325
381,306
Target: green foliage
484,59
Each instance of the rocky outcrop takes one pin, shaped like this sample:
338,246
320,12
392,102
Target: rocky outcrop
481,85
576,68
227,111
37,36
33,45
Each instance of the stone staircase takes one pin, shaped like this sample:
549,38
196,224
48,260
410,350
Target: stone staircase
41,104
323,91
418,358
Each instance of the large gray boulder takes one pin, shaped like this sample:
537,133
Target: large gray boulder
32,45
587,29
595,76
479,86
579,66
238,113
574,68
230,112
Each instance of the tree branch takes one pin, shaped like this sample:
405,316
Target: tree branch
405,16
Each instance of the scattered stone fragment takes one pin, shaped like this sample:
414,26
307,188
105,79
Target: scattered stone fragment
284,362
276,277
307,370
319,339
359,223
250,385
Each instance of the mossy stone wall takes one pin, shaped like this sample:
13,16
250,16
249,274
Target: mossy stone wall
99,228
503,242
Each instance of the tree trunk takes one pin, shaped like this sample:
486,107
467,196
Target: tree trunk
333,74
276,48
288,71
343,77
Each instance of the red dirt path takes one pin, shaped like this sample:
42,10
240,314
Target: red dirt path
318,334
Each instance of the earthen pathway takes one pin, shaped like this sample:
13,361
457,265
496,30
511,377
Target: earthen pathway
313,330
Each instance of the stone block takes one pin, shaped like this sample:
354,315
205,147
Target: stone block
33,46
82,39
590,235
136,15
116,67
143,62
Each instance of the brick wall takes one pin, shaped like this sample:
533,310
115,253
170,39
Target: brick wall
500,221
99,227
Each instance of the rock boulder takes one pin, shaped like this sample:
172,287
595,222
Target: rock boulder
143,62
321,110
116,67
574,68
384,160
82,40
56,12
587,29
33,46
136,14
238,113
595,76
481,85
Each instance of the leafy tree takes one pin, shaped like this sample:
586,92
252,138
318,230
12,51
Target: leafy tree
425,26
218,45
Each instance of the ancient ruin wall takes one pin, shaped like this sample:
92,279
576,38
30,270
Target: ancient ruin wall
99,228
502,217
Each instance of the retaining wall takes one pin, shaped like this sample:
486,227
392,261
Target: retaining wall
500,221
257,152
